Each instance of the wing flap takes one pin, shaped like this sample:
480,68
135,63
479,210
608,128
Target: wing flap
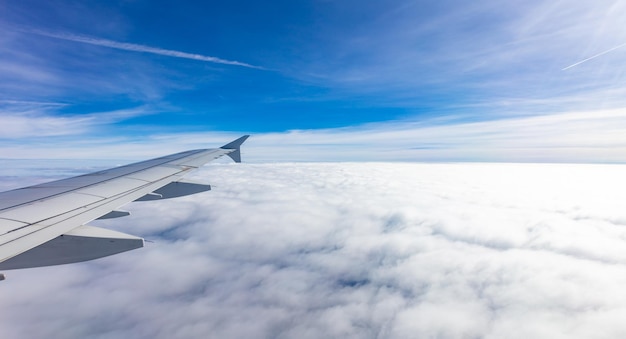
176,189
80,244
115,214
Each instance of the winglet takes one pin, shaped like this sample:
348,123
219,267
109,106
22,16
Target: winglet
236,145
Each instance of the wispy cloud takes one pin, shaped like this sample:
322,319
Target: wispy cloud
423,55
33,120
586,136
142,48
594,56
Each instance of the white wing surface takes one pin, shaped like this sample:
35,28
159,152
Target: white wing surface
45,224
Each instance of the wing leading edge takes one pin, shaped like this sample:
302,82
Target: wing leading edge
45,224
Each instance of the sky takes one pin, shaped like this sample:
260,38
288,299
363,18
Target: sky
448,169
351,250
521,81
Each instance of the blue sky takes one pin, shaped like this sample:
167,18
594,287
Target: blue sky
315,80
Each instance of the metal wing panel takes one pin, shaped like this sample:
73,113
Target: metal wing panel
156,173
200,159
90,210
37,214
10,225
25,195
41,210
26,237
112,187
57,212
33,235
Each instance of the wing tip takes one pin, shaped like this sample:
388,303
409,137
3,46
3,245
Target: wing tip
236,143
236,146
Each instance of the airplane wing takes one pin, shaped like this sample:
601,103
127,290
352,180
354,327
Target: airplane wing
45,224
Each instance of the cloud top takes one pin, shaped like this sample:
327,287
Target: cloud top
354,251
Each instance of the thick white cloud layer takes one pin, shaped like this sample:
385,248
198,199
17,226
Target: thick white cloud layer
352,250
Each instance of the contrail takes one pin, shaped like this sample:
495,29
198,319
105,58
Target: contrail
143,49
595,56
